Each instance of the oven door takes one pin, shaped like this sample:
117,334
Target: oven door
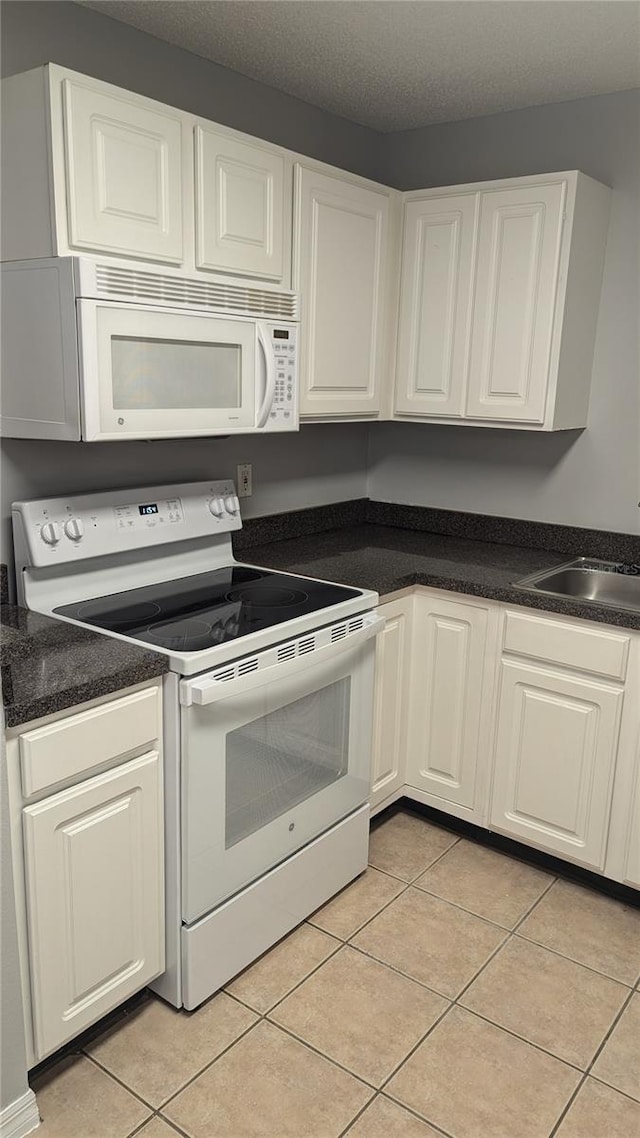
276,748
158,372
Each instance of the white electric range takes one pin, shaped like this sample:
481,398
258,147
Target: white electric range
267,708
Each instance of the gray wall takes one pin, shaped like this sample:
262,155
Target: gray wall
318,466
588,478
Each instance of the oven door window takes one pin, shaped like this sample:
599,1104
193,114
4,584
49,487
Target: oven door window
285,757
267,770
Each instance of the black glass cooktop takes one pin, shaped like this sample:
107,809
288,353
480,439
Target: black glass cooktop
207,609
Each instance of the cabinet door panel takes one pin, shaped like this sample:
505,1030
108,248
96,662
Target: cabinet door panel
555,755
94,878
124,175
391,701
239,206
516,283
435,305
341,236
447,675
632,861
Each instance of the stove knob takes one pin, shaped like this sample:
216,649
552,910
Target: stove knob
216,507
74,529
50,532
231,504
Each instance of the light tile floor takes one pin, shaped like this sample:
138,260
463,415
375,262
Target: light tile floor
451,991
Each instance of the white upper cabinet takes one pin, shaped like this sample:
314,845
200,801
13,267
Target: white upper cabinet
499,301
517,275
123,166
341,249
240,206
88,167
433,332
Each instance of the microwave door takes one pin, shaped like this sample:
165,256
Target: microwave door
160,373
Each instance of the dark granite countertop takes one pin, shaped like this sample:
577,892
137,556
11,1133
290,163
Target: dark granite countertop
386,558
50,665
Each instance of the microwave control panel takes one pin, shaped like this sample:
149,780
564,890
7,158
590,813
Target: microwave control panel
283,413
57,530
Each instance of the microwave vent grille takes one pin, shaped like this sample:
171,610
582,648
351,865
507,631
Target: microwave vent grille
129,285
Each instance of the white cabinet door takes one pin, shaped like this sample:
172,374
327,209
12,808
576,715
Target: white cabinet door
341,238
632,868
391,700
239,206
514,307
94,881
449,698
123,174
556,745
435,305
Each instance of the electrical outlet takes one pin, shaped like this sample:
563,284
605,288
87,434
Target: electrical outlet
244,480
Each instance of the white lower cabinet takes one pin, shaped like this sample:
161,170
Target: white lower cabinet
88,851
94,905
525,723
391,702
450,679
556,745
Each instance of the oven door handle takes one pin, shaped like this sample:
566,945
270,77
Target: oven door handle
242,680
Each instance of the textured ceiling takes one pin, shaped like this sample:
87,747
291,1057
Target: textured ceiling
399,64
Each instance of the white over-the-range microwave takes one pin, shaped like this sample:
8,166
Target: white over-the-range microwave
99,350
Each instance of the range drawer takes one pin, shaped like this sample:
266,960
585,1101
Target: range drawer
77,744
590,649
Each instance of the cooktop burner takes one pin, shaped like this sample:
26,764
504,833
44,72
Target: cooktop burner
207,609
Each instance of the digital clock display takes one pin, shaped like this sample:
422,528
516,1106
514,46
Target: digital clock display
280,334
152,508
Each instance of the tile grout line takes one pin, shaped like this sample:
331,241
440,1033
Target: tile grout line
316,968
380,1091
421,1117
322,1055
437,1129
572,959
119,1081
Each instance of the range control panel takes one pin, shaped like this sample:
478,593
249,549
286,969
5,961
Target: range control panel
57,530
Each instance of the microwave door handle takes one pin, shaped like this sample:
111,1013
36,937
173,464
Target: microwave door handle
270,370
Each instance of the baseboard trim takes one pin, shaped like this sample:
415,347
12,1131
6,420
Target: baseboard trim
20,1117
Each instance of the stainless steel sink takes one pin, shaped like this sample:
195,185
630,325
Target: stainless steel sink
596,582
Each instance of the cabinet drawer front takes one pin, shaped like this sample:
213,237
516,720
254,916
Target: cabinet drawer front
587,649
556,744
82,742
94,880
